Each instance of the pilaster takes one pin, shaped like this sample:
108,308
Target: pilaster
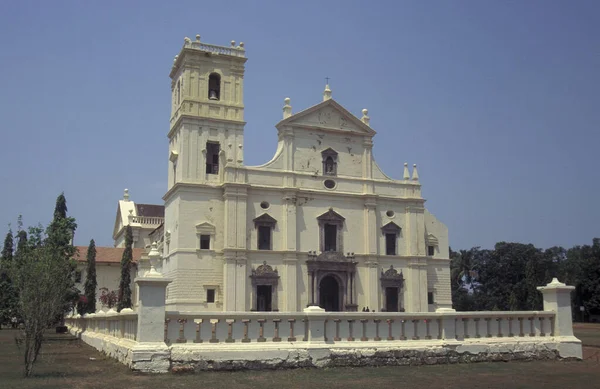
289,221
370,232
416,285
241,277
373,284
290,287
229,284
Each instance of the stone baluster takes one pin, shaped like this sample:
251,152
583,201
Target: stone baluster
364,329
291,338
198,323
337,330
390,322
350,328
377,321
246,322
276,337
415,329
181,338
230,331
261,330
213,338
403,329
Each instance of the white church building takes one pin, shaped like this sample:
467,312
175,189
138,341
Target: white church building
318,224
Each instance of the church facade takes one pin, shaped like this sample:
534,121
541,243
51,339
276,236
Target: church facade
318,224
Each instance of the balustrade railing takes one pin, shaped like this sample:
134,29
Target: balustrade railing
119,325
240,327
150,220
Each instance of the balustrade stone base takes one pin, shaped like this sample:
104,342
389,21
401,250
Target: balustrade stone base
160,358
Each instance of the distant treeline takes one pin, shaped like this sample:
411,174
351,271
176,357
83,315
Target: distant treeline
506,277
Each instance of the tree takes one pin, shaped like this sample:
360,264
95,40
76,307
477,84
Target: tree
90,279
125,283
8,297
59,237
42,278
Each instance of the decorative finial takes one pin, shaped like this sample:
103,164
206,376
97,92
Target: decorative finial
186,40
232,43
406,174
415,175
365,118
327,91
154,256
242,45
126,195
287,108
197,37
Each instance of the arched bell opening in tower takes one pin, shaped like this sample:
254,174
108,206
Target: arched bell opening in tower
214,87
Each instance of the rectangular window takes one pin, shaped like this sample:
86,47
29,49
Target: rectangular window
431,251
210,295
430,298
264,238
204,242
390,244
78,276
212,158
330,243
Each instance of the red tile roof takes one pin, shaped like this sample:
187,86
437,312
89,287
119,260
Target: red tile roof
108,254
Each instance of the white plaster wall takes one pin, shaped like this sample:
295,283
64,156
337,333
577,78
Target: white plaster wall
308,146
440,231
438,281
108,275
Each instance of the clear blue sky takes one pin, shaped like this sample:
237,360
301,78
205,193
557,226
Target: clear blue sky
498,102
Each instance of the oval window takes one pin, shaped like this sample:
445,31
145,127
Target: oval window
329,184
264,205
390,213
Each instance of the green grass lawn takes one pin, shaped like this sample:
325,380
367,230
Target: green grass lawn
68,363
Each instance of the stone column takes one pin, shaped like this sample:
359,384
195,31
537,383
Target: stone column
557,298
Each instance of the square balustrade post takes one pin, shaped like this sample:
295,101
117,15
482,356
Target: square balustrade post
316,324
557,298
151,354
448,324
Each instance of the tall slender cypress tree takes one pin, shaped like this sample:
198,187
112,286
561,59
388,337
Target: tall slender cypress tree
125,284
8,293
59,240
90,278
7,249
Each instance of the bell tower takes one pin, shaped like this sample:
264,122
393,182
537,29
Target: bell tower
207,112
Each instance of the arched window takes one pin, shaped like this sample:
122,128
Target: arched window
214,87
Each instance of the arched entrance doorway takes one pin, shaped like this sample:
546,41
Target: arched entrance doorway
329,294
